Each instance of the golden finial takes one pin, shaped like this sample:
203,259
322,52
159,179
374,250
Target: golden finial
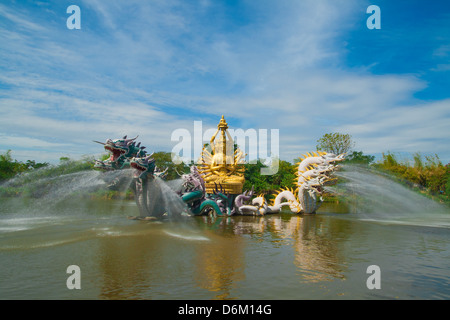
223,125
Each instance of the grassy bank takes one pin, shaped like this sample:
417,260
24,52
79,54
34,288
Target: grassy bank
426,175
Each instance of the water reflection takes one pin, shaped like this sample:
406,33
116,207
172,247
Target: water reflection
316,243
276,256
150,260
125,267
317,253
220,266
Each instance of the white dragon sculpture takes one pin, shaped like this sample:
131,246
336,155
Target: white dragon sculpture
314,171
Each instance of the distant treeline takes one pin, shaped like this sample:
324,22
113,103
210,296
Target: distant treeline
427,174
10,167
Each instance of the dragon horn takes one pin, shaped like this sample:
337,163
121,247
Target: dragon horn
129,140
99,142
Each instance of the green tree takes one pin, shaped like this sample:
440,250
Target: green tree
163,160
447,180
253,178
285,176
10,167
357,157
336,143
31,164
266,184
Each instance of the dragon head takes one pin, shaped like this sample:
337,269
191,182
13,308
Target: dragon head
143,166
192,181
161,173
121,150
324,169
314,184
104,165
331,157
317,183
119,147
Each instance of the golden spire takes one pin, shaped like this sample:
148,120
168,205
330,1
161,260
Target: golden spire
223,125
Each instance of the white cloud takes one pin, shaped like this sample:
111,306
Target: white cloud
407,128
22,21
147,69
21,142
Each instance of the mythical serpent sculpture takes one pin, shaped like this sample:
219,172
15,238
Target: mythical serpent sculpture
314,172
143,173
193,193
122,151
126,154
216,187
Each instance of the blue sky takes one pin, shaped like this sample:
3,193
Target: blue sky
148,68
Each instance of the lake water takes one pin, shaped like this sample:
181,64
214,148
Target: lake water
322,256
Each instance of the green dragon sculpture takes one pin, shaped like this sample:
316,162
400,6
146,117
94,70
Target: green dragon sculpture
199,202
125,154
122,151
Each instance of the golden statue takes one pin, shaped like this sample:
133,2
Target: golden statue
222,163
